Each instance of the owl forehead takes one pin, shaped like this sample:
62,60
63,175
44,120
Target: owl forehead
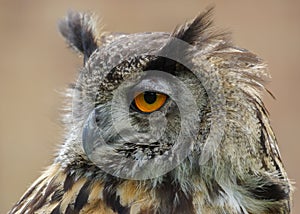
126,47
122,58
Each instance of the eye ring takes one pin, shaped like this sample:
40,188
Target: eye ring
148,101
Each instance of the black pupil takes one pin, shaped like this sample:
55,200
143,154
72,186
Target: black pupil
150,97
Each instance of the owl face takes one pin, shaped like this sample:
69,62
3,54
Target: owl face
142,106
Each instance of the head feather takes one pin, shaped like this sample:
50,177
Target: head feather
79,31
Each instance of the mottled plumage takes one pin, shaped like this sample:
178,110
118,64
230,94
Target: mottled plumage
232,165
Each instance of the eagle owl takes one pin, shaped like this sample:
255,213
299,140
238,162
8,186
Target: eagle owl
163,123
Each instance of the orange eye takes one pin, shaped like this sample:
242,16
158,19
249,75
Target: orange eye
149,101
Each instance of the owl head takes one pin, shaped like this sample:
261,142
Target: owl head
182,105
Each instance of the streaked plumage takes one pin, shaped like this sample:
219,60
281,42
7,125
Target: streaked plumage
245,173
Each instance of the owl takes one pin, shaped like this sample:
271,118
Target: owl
163,123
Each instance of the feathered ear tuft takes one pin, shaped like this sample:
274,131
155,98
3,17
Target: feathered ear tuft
200,31
191,31
79,31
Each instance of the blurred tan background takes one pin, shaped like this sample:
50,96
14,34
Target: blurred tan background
36,66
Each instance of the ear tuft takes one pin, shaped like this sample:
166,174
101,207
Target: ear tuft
201,33
194,31
79,31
